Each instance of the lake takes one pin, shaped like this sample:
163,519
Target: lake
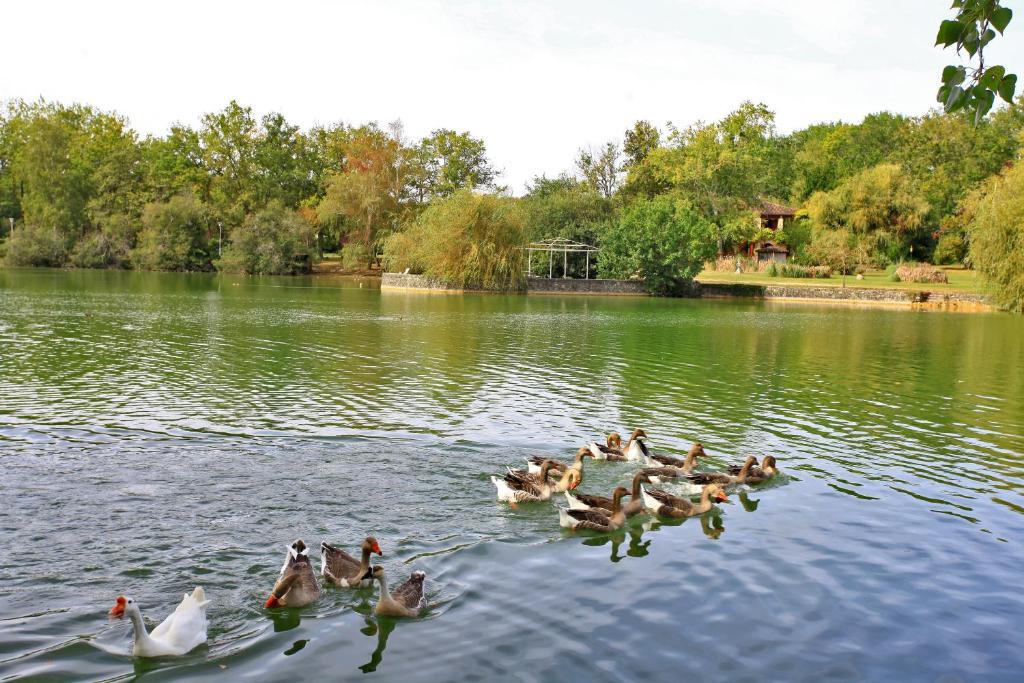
161,431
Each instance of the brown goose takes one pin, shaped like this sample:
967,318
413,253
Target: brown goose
533,463
667,505
756,475
519,486
297,585
696,480
635,448
583,501
341,569
595,520
696,451
407,600
611,450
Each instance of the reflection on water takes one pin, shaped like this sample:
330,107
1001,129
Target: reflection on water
196,424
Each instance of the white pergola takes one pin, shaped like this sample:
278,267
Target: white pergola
555,246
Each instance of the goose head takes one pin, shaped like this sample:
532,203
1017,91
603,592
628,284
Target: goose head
768,465
716,493
583,452
376,572
573,477
123,605
638,435
697,450
614,440
617,495
370,545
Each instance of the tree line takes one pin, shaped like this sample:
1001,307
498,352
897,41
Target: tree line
260,195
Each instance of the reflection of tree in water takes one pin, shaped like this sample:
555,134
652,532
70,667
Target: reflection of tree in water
382,628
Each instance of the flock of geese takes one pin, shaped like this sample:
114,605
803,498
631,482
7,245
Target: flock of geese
297,584
606,514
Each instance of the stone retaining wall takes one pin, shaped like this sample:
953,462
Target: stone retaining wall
919,297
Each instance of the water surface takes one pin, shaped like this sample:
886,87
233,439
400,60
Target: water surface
159,431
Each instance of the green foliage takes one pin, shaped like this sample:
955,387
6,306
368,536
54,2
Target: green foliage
273,241
996,234
974,88
601,168
468,240
639,141
566,207
175,235
447,161
880,206
839,249
34,245
772,270
662,240
108,247
355,255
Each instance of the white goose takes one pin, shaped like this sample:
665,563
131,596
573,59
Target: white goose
181,632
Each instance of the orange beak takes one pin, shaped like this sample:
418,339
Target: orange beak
574,485
117,611
376,549
721,497
271,602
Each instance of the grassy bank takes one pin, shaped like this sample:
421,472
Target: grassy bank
960,280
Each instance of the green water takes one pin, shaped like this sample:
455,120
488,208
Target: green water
162,431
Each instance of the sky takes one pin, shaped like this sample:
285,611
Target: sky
536,80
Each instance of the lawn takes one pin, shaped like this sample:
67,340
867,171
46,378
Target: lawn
960,280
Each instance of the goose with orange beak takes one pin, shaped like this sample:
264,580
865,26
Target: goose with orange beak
181,632
341,569
297,585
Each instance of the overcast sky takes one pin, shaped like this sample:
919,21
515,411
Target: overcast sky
535,79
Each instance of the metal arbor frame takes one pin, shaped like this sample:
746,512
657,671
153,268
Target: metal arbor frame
556,245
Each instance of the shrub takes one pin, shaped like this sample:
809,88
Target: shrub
662,240
772,270
996,234
355,255
108,247
274,241
174,236
468,240
919,272
34,245
951,248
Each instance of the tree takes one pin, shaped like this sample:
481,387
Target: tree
996,234
273,241
662,240
639,141
229,141
601,168
174,165
967,87
468,240
719,168
364,200
841,250
881,206
446,161
175,236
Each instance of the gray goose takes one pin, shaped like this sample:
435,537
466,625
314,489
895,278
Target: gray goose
724,478
593,519
756,475
635,448
666,505
583,501
611,450
297,585
341,569
407,600
687,464
659,475
519,486
534,462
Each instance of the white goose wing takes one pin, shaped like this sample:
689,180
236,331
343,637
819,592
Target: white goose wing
185,628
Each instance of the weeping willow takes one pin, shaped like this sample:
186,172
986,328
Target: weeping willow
469,240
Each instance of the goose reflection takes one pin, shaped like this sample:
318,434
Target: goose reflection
285,619
382,628
748,503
